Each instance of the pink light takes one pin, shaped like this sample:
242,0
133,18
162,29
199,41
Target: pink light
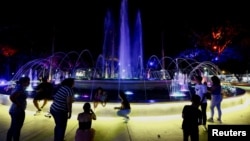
85,96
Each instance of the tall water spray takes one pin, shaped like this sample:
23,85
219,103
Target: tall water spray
137,52
108,49
124,50
130,50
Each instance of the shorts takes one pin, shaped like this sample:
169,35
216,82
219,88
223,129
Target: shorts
41,97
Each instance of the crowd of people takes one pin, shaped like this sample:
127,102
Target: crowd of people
60,109
62,100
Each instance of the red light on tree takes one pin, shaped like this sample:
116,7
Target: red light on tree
7,51
217,34
219,38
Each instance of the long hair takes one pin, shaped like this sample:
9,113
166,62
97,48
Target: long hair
86,107
99,88
123,96
215,80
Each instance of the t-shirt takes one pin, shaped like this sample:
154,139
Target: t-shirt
46,89
84,121
125,105
21,98
60,99
200,90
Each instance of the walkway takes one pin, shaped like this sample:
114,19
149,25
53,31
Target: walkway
145,124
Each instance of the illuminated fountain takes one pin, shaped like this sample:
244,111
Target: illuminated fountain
120,67
168,83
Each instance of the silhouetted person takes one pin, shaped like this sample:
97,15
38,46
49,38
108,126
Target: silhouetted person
100,97
84,131
43,92
125,109
17,109
216,98
201,90
192,118
61,108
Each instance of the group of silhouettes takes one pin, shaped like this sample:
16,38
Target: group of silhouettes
60,109
195,114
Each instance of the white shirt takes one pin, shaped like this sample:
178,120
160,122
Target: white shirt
201,89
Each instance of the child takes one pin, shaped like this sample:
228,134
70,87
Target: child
192,118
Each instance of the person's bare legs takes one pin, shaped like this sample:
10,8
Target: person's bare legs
45,101
36,105
95,104
104,103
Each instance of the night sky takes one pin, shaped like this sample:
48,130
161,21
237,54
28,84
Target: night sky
78,26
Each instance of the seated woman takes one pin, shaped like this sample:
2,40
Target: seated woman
100,96
85,132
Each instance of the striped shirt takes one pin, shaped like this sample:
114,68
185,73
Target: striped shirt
60,99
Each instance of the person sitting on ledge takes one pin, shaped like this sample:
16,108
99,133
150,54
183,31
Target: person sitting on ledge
100,97
44,91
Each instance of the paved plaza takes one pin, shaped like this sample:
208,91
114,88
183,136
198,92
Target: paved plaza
148,122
